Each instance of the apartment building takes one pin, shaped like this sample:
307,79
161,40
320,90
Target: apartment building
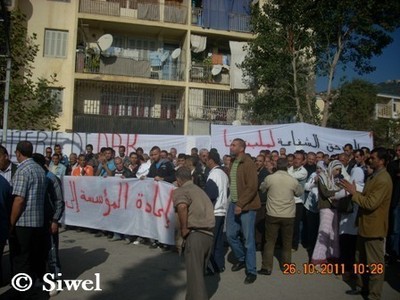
143,66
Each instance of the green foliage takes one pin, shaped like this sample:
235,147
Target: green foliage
32,104
354,108
350,33
387,132
297,39
280,62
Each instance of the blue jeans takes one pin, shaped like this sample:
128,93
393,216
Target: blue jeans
217,258
240,235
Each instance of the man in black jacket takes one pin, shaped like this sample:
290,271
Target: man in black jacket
160,170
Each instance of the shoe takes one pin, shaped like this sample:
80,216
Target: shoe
264,272
128,241
238,266
114,239
153,245
250,278
98,234
220,270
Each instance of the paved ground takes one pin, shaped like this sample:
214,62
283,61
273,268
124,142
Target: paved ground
137,272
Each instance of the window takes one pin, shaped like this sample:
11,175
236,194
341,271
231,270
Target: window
55,43
57,95
170,105
91,107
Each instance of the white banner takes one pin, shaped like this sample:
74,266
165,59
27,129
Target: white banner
298,136
76,142
293,137
128,206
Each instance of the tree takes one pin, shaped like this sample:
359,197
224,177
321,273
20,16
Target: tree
354,107
280,62
33,104
350,32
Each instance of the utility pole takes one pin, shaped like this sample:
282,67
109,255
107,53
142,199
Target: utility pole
5,20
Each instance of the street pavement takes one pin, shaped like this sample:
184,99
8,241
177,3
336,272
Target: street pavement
137,272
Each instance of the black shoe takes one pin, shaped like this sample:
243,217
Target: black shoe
250,278
238,266
220,270
264,272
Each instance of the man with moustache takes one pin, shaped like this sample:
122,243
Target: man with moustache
241,215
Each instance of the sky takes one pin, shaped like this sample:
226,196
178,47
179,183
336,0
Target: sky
387,67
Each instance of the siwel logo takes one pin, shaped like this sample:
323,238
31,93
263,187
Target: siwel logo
70,284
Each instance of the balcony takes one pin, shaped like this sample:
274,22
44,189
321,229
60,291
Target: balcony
108,124
129,66
220,20
150,10
215,106
207,73
387,111
126,108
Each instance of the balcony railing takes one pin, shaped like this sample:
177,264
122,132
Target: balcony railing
386,111
217,20
207,73
123,66
113,124
150,10
123,107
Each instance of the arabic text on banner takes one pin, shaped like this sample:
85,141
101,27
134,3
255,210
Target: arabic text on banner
128,206
298,136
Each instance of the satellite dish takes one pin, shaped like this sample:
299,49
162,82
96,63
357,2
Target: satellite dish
175,54
216,70
104,42
164,56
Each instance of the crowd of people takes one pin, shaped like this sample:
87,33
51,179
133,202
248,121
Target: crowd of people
343,209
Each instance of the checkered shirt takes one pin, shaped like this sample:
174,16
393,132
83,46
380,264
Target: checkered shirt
29,182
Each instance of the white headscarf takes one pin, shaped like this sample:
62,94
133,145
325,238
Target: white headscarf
327,177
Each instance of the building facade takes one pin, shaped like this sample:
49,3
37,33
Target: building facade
143,66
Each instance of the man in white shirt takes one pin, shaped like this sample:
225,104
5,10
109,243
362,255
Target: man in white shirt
300,173
217,189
